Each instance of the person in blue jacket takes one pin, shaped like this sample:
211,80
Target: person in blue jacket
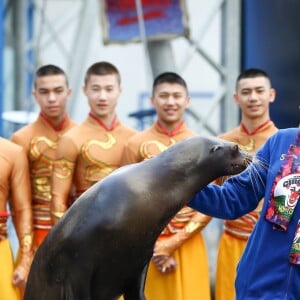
270,265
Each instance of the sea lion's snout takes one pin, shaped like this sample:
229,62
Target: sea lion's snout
241,159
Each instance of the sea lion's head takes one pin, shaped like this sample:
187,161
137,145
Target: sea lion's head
231,159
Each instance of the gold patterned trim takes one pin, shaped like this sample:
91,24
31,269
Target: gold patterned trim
193,226
145,148
26,242
57,214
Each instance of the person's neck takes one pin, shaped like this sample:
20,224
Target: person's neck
170,128
55,122
252,125
108,122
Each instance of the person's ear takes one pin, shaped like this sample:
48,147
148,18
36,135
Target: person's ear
272,95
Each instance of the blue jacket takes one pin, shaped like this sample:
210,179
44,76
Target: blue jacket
264,271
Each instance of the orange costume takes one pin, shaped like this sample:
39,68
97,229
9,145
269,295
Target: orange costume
39,139
190,280
15,188
236,232
85,155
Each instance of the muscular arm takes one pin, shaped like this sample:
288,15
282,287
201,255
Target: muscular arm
62,177
20,140
164,248
197,221
130,155
22,216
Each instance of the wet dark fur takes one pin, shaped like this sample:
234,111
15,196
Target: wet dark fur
100,249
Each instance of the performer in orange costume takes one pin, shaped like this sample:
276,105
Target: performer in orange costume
40,138
253,95
179,267
93,149
15,188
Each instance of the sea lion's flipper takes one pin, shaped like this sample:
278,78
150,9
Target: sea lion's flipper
136,290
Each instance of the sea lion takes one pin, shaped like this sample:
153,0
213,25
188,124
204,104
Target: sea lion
101,247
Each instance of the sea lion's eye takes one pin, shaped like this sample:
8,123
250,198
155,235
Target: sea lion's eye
235,147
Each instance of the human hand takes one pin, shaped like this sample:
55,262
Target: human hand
19,277
164,264
21,271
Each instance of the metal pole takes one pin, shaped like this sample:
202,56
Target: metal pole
231,12
159,54
78,58
19,33
143,35
161,57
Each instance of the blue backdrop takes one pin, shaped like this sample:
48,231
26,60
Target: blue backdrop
271,41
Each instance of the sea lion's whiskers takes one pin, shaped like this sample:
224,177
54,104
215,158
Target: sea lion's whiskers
260,162
248,159
255,167
255,170
258,166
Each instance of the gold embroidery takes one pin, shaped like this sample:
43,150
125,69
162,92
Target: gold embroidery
193,226
250,146
42,165
57,214
63,168
42,186
26,242
104,145
152,148
37,143
180,220
96,166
